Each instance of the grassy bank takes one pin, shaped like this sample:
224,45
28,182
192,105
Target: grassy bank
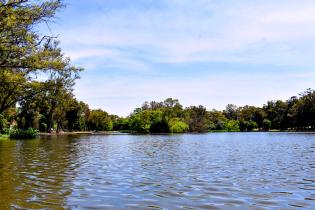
4,137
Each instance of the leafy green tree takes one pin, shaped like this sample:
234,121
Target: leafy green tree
266,124
196,118
24,53
141,122
178,126
277,113
252,113
250,125
216,120
232,126
99,120
158,122
121,124
231,112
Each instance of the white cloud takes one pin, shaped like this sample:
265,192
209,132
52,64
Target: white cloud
200,31
135,41
122,95
91,52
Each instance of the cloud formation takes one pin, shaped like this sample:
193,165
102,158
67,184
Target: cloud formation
140,41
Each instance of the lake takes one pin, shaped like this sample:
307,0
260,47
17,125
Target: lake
190,171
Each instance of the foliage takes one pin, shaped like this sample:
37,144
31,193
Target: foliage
121,124
23,134
49,104
196,118
232,126
24,52
99,120
248,125
216,120
266,125
141,122
178,126
3,122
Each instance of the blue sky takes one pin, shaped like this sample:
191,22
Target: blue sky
205,52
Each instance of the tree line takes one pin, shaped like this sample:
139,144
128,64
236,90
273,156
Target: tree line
296,113
37,80
45,112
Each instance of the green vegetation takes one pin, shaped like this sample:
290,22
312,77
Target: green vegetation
28,104
23,134
4,137
295,114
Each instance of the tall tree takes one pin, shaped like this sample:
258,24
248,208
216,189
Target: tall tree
24,53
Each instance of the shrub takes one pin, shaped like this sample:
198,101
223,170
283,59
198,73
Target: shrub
5,131
23,134
266,124
177,126
232,126
250,125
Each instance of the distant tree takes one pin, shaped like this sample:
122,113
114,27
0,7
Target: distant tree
140,122
121,124
196,118
216,120
99,120
178,126
252,113
277,113
266,125
231,112
232,125
158,123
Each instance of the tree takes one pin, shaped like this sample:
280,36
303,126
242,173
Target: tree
121,124
99,120
196,118
216,120
24,53
141,122
252,113
158,122
232,126
277,113
176,125
231,112
266,125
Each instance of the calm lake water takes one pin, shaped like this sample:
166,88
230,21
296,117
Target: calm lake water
208,171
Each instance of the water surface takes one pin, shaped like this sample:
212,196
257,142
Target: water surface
208,171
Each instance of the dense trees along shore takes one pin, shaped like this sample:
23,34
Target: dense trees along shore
37,80
297,114
169,116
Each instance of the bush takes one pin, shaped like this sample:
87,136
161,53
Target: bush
178,127
248,125
232,126
266,124
23,134
5,131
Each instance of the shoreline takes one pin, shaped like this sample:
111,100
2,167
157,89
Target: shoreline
132,133
100,133
83,133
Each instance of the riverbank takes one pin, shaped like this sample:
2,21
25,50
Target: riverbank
84,133
4,137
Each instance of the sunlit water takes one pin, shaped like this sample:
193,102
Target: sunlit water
208,171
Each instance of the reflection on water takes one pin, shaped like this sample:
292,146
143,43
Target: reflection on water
209,171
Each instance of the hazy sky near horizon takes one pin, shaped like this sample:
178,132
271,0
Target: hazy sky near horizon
206,52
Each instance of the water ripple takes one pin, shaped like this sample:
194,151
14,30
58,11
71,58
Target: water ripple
210,171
